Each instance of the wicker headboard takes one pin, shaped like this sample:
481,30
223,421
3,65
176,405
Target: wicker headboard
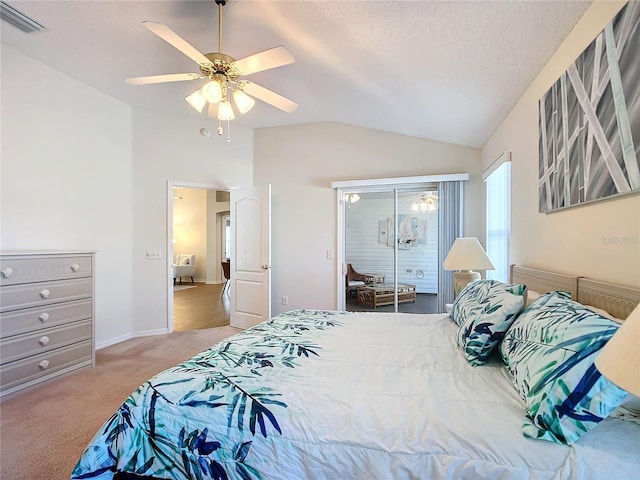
618,300
542,281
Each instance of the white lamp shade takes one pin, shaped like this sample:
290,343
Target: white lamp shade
197,100
467,254
225,112
243,101
212,91
619,360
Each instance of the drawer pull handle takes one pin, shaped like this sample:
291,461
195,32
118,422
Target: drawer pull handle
44,364
45,293
7,272
75,267
44,317
43,340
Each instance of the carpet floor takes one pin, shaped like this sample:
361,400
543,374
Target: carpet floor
44,430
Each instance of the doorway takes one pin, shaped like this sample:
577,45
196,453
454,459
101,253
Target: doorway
195,231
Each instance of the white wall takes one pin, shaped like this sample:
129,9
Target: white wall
81,170
66,178
599,240
170,148
301,161
190,227
215,238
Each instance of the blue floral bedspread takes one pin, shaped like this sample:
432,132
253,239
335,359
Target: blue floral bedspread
315,395
198,419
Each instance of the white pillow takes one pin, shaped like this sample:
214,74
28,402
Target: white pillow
184,261
604,313
531,296
629,410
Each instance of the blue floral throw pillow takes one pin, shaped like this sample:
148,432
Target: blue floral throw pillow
550,350
484,310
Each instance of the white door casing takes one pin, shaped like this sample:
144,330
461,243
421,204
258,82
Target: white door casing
250,256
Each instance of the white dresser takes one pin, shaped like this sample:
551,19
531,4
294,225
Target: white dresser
46,316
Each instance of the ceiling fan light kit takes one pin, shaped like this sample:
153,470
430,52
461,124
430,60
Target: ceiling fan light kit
197,100
426,203
223,73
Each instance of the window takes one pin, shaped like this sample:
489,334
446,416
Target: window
498,218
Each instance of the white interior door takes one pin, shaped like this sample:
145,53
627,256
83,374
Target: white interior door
250,256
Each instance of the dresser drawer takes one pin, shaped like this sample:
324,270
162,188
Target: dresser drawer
27,320
29,295
21,346
14,270
24,371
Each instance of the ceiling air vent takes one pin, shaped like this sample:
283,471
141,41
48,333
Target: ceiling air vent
19,19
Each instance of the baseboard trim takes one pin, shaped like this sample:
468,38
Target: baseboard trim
129,336
113,341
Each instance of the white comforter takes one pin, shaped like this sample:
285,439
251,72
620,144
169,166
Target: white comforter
390,396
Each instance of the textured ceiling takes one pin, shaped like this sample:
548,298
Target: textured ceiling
448,71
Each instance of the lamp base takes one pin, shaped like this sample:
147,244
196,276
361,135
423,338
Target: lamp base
462,278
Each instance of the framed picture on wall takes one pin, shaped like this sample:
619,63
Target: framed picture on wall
589,121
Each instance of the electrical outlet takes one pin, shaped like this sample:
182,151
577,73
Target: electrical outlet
285,300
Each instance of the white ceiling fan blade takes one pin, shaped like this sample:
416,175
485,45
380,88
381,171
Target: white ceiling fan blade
272,58
171,77
177,41
270,97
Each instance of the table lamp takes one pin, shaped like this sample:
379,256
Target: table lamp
619,360
466,255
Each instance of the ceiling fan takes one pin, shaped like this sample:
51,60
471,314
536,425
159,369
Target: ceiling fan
224,74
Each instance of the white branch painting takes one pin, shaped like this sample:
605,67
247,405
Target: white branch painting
589,120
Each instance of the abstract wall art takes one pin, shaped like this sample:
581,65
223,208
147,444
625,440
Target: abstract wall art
589,121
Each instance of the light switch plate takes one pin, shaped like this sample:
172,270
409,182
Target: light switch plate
153,254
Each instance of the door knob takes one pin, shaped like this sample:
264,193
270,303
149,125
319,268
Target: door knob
44,293
44,364
44,317
75,267
266,267
43,340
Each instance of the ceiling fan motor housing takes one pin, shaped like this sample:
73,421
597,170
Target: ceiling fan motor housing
221,64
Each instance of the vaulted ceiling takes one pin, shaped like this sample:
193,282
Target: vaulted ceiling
442,70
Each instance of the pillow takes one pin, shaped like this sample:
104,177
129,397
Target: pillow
629,410
184,260
550,350
484,310
604,313
531,296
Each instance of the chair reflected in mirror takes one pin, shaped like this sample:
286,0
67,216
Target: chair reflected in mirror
226,271
354,280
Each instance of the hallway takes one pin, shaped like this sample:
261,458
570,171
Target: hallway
200,307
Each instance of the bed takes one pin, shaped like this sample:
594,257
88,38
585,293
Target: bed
325,395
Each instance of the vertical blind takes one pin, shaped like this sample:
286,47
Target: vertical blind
449,228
